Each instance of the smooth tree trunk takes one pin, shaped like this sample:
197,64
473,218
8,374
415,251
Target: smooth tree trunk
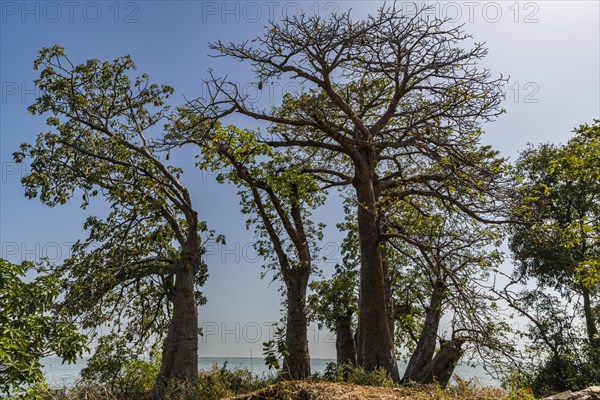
416,370
389,299
345,345
443,364
592,329
180,347
297,363
375,343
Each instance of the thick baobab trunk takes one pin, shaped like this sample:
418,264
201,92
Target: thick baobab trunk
443,364
297,363
180,348
590,322
416,370
375,344
345,345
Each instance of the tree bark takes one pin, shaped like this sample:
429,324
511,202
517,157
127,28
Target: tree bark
389,300
416,370
180,348
443,364
590,322
297,363
375,344
345,345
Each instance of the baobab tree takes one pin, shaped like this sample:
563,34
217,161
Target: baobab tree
383,96
452,256
143,262
279,196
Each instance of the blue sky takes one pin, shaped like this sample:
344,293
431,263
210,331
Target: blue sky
550,50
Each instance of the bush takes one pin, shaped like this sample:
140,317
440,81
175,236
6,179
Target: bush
568,371
217,383
116,367
351,374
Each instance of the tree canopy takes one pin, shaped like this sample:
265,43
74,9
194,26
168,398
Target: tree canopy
29,330
142,264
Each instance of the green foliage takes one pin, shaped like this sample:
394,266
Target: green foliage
36,391
356,375
275,191
28,331
560,197
216,384
117,366
558,245
275,349
103,144
334,298
567,371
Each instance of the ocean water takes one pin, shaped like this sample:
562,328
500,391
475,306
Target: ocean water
58,374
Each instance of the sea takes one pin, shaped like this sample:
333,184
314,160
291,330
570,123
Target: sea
60,375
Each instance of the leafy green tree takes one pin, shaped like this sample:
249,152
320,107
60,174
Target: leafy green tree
141,266
385,95
557,356
558,248
334,305
279,198
28,331
559,196
117,365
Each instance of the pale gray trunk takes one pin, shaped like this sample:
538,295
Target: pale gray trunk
375,343
421,357
590,321
180,347
345,345
442,366
297,363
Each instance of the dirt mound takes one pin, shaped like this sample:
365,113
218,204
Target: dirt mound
323,391
319,390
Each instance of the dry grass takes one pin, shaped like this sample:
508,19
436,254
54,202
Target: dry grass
319,390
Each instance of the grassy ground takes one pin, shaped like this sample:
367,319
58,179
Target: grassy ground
346,383
320,390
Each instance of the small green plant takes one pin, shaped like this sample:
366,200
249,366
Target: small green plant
275,349
217,383
351,374
117,367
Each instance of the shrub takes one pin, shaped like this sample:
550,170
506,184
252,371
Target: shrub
569,371
351,374
116,367
217,383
